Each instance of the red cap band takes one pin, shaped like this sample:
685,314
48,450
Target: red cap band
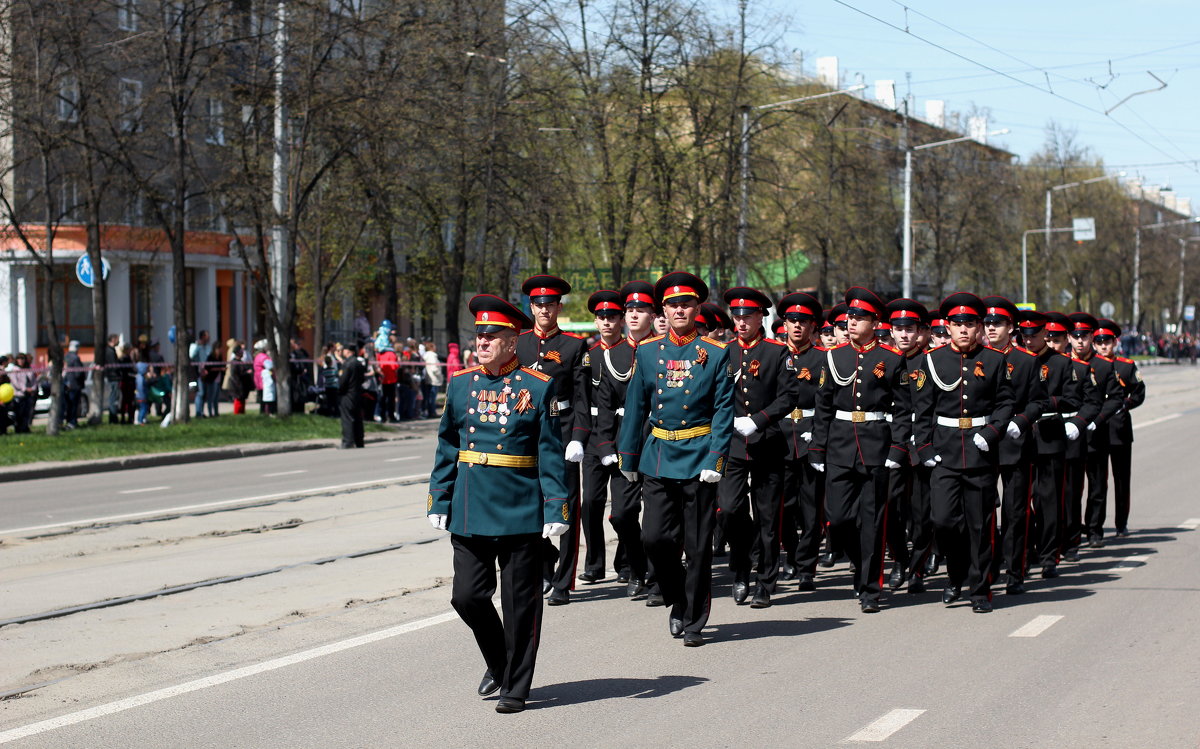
963,310
799,308
675,291
1029,324
840,318
904,314
545,291
937,322
1106,331
862,304
608,305
1082,326
744,303
999,311
488,317
637,296
1055,327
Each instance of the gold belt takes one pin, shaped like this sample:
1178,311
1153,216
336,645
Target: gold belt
497,459
674,435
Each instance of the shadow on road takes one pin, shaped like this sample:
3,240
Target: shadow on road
592,690
757,629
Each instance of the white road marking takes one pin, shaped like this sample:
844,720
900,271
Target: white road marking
284,473
143,491
887,725
100,711
1159,420
210,505
1039,625
1190,524
397,460
1128,563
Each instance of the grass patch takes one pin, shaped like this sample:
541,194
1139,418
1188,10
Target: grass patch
117,440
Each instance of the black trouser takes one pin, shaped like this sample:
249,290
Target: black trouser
856,501
23,413
803,514
561,563
680,515
900,486
510,647
1014,520
963,506
624,518
920,523
1049,506
1122,476
596,479
1097,492
352,421
1075,470
387,401
753,482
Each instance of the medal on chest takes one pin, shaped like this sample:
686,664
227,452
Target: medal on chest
678,371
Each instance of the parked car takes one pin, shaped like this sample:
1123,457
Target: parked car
42,404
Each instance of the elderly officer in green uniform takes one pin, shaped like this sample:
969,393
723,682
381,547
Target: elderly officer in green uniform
498,487
683,386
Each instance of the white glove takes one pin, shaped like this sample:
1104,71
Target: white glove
550,530
709,477
889,463
1091,426
630,476
574,452
745,426
1071,430
980,442
807,436
818,467
1013,430
437,521
932,461
608,460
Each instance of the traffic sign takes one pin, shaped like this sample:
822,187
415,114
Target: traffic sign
1107,309
1084,228
84,270
1189,312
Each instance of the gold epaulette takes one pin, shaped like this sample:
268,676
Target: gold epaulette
714,341
537,374
476,368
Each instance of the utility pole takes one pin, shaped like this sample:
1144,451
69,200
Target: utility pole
280,257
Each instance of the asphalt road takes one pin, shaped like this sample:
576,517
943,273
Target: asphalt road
1104,656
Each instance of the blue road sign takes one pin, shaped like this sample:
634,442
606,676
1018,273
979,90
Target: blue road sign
83,270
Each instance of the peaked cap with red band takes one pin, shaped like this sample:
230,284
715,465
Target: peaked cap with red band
907,312
606,301
1082,322
999,309
1057,323
836,314
863,300
1031,320
800,306
744,300
715,317
963,305
493,314
1106,327
680,284
542,289
638,294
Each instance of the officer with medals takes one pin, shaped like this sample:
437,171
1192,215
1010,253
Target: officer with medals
1057,425
750,493
682,386
803,486
1120,429
861,432
908,496
498,487
1016,453
547,349
962,413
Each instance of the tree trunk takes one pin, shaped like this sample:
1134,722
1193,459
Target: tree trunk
99,312
53,426
180,402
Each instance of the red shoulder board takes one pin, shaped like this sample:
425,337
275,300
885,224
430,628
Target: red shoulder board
890,347
462,372
935,348
1125,360
574,335
526,332
596,345
535,373
777,343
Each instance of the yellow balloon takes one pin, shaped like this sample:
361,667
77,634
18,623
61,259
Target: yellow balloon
6,393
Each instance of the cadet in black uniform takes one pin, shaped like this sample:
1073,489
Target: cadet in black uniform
963,408
862,430
559,354
1017,447
764,392
803,487
1120,428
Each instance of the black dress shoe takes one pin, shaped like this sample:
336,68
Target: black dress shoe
654,597
762,599
931,564
826,560
916,584
623,576
558,598
693,640
869,605
675,626
951,594
1049,572
1096,542
1122,532
510,705
1071,555
1014,587
896,579
787,572
806,582
981,607
740,592
489,685
590,578
546,586
635,589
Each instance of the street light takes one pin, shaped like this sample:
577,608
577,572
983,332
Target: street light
1050,203
1179,297
906,261
744,153
1137,261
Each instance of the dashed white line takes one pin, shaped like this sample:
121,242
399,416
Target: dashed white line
100,711
1190,524
1159,420
144,490
1128,563
1039,625
884,727
284,473
397,460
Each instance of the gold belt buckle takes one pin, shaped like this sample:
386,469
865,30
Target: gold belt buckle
858,417
966,423
482,459
671,435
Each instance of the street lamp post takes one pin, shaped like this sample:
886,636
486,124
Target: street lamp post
744,158
1025,257
906,260
1137,261
1050,203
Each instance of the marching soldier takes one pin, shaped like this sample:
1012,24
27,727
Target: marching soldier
803,486
862,430
764,392
1016,448
1120,428
713,322
497,487
615,369
939,335
547,349
827,337
682,385
908,495
964,404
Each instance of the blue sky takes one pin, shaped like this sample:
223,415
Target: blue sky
1090,54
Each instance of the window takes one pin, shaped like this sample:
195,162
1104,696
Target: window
67,104
127,19
129,98
134,212
214,122
68,200
72,304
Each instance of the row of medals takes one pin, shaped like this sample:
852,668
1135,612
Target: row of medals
493,407
678,370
